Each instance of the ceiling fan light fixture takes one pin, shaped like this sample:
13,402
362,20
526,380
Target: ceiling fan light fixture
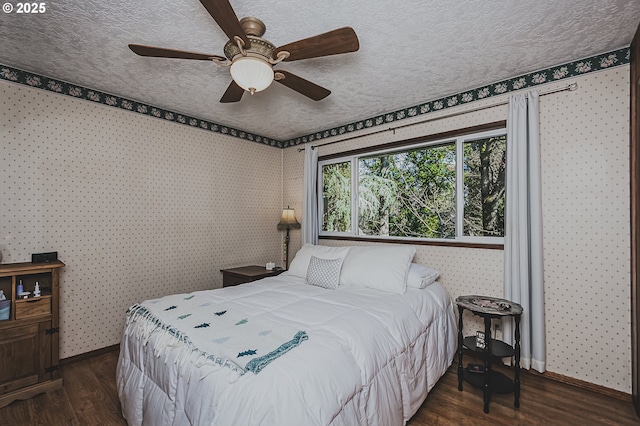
252,74
251,58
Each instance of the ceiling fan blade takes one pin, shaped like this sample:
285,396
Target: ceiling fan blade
305,87
222,12
342,40
161,52
233,94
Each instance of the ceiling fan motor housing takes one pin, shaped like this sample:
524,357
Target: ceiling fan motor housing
260,48
254,28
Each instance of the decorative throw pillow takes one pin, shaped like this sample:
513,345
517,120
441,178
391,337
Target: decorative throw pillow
324,273
300,263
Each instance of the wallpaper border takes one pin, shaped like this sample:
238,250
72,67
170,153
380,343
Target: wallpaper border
19,76
556,73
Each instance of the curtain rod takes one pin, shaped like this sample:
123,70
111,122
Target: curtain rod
571,87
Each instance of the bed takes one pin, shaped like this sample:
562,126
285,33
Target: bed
348,355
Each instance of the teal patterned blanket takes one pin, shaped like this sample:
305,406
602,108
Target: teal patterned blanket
209,333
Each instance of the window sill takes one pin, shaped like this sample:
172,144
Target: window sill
414,242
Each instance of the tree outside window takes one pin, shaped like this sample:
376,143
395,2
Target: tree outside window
449,190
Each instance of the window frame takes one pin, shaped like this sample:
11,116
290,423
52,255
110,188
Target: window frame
353,157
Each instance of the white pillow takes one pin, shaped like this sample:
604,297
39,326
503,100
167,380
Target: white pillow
300,263
420,276
381,267
324,273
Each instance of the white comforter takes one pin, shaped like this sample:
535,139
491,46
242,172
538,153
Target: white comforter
370,359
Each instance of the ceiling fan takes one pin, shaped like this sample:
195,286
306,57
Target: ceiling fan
251,58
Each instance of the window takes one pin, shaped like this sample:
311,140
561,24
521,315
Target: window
447,190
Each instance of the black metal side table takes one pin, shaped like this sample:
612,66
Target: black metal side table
488,380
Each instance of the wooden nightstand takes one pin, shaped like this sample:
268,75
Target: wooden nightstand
246,274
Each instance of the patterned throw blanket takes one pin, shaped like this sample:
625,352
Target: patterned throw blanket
209,333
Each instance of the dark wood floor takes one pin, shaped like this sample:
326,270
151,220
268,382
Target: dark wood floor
542,402
89,397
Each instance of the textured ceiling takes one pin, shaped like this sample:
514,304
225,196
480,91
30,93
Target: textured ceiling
411,51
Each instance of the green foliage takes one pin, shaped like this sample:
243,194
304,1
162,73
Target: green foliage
377,192
336,196
428,199
484,188
413,193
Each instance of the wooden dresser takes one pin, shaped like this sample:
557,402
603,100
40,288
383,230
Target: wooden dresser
29,336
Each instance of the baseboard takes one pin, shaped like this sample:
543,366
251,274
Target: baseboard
602,390
88,355
549,375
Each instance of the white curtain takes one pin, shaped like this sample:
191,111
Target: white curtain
310,200
523,269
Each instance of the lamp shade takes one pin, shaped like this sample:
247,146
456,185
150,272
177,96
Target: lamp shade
252,74
288,219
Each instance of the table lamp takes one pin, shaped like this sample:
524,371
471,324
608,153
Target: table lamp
288,221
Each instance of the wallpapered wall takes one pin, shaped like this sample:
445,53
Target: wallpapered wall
585,189
136,207
139,207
